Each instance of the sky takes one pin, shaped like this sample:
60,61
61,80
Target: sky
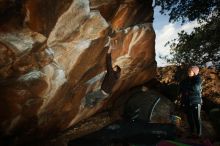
166,31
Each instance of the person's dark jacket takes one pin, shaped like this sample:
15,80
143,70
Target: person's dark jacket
190,89
111,76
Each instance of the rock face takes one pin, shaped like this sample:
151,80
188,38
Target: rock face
52,50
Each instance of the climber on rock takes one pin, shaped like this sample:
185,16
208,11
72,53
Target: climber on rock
191,100
112,74
110,79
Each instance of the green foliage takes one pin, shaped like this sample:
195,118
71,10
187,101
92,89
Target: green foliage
203,44
199,47
188,10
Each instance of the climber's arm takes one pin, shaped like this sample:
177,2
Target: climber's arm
109,61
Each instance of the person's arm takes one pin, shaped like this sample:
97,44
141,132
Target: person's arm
197,86
109,61
198,81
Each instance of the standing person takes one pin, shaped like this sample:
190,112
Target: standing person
191,100
110,79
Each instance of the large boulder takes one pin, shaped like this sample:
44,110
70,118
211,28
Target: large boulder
52,50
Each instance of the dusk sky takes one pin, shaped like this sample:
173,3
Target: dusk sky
166,31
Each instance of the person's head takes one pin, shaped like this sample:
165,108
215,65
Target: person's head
117,69
193,71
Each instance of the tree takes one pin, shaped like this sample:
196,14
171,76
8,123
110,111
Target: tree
202,44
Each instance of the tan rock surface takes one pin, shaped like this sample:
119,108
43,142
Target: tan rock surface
47,61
